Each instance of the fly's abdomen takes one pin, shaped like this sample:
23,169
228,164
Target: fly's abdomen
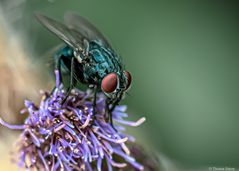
65,51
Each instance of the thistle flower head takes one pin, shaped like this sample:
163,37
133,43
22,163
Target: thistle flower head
69,136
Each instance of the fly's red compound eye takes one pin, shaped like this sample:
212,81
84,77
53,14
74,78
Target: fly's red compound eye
109,83
129,78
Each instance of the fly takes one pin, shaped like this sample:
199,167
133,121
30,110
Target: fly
89,58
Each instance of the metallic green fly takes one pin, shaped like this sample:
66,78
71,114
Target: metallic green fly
89,58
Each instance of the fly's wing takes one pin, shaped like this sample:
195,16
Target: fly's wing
84,27
70,37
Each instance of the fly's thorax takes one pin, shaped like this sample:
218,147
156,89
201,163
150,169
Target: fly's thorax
101,61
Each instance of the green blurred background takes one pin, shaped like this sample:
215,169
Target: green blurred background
183,56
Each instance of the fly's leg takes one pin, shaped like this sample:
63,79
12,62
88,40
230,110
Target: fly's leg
94,102
107,109
108,114
111,121
72,80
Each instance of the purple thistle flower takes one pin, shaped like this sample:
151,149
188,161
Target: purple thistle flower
68,137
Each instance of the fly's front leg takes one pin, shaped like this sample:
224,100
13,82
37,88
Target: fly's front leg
107,110
108,113
72,80
94,101
115,103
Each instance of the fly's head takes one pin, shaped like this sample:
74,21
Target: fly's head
115,84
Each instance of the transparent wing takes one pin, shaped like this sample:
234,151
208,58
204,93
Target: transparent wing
71,37
84,27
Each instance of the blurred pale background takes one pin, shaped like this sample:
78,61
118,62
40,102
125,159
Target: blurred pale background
184,58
